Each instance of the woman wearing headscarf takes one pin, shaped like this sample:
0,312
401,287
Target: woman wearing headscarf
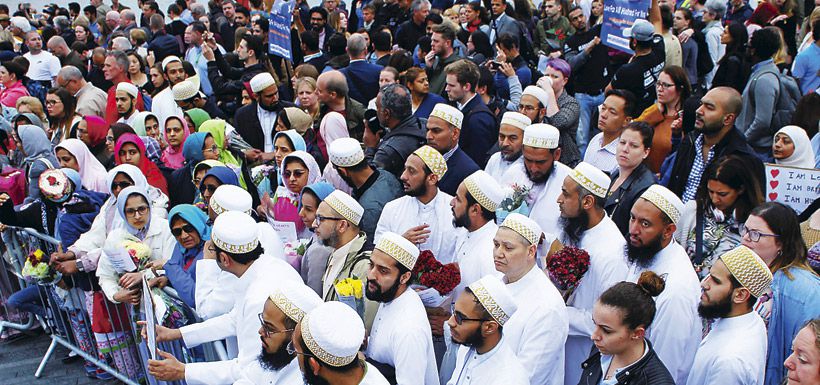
314,261
152,147
293,118
131,150
200,171
215,177
73,154
189,227
92,131
36,148
195,117
267,176
792,147
299,169
180,187
333,127
176,131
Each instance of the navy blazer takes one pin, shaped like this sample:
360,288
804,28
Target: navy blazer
479,131
362,80
459,167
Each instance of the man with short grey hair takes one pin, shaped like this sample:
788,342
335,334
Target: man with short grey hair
362,77
90,99
128,20
712,16
405,134
198,10
120,43
409,32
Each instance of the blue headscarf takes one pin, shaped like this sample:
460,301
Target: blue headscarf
295,139
194,216
192,148
320,189
223,174
127,193
74,177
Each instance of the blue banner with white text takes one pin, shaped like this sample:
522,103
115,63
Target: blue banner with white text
618,16
281,16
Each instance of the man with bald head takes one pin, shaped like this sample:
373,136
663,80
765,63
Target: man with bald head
128,21
58,47
333,91
714,136
43,66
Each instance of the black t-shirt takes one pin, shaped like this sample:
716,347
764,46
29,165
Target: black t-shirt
591,77
641,74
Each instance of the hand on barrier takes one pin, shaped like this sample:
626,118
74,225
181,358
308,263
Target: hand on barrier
168,369
67,267
128,296
129,280
59,256
162,333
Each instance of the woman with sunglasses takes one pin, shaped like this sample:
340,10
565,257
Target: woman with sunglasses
772,230
190,228
215,177
284,142
300,170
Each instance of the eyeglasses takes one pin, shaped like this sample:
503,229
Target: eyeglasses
320,218
297,173
754,235
109,138
269,330
52,102
214,149
142,210
177,231
208,187
460,318
664,85
292,350
120,185
524,107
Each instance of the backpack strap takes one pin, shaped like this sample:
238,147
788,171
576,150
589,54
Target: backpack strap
754,84
47,162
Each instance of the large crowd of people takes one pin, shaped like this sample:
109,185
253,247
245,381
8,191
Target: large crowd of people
402,200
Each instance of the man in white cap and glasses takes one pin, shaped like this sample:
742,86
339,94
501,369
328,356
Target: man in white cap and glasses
255,123
443,132
126,99
734,351
510,144
400,340
163,105
676,330
326,343
533,103
372,187
237,250
587,226
537,331
283,308
477,324
423,216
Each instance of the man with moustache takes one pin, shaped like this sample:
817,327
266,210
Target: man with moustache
255,122
423,216
586,226
163,105
510,143
676,330
734,351
400,340
477,324
443,132
126,99
326,343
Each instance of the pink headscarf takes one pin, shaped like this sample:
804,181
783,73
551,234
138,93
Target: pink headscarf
92,172
173,157
332,127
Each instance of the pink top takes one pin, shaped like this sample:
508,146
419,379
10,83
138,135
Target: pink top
9,96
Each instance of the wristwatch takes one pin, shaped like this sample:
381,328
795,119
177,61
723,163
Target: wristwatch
80,267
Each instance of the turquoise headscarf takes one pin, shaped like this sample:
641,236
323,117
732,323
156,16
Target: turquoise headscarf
192,148
194,216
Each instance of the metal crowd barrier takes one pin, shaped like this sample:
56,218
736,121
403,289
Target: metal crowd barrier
66,308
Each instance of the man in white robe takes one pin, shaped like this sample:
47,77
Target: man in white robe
478,328
239,252
422,216
400,338
676,331
510,142
163,105
734,351
537,331
587,226
126,100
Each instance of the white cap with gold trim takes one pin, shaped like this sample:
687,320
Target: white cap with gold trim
448,114
495,298
346,206
235,232
333,332
295,300
399,248
485,190
524,226
591,178
665,200
541,135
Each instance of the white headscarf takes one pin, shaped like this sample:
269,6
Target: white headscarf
803,155
92,172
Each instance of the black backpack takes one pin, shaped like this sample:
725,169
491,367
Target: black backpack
704,61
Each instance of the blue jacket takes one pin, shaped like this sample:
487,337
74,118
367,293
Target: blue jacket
184,281
479,132
362,80
459,167
426,106
380,188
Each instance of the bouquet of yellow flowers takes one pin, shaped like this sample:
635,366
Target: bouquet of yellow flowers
138,251
350,292
36,268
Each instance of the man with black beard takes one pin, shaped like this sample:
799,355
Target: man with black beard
734,351
255,122
477,325
675,333
372,187
400,343
510,143
587,226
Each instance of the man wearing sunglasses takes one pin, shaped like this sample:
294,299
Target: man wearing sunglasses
477,325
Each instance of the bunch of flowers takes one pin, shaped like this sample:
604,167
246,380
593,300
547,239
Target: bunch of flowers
431,273
294,252
567,266
261,172
138,251
36,267
350,291
515,202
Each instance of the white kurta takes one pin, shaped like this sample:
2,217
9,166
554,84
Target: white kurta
607,266
401,214
475,255
498,366
497,167
253,288
254,374
544,205
401,338
733,353
676,330
537,331
372,376
164,106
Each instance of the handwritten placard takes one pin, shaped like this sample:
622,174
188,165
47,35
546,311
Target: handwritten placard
120,260
792,186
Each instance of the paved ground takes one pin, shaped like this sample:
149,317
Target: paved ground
19,360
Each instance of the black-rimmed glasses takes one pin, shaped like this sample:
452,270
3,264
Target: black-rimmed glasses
754,235
269,330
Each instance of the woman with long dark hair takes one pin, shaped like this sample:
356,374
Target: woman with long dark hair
672,89
479,49
61,107
733,68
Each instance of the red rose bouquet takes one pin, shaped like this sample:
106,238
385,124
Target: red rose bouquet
431,273
566,268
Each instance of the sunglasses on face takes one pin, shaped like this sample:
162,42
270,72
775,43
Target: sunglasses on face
208,187
460,318
177,231
120,185
296,173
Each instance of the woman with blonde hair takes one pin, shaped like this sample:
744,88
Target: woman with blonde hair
306,97
31,105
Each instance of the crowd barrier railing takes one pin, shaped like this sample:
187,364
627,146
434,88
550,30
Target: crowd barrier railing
75,313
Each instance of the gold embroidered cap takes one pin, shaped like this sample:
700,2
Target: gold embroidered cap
235,232
448,114
665,200
539,93
231,198
396,246
433,159
524,226
749,269
591,178
541,135
515,119
295,300
345,152
345,205
333,332
485,190
495,298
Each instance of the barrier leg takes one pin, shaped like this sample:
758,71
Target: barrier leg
43,362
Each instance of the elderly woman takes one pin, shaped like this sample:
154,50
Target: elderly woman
189,225
792,147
